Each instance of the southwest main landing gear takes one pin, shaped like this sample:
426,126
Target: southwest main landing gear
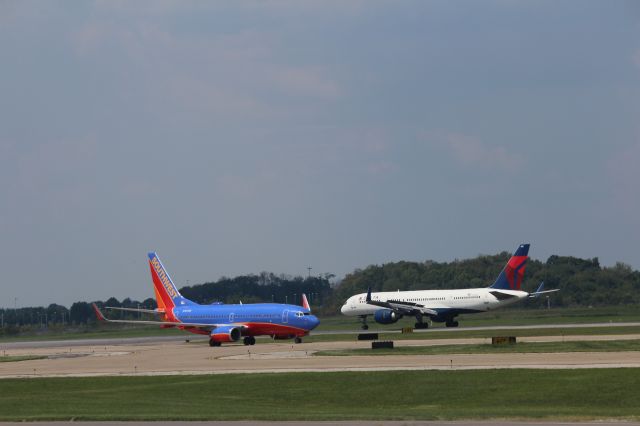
298,340
249,340
213,343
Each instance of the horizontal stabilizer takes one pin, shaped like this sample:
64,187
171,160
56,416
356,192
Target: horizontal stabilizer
540,290
163,324
538,293
144,311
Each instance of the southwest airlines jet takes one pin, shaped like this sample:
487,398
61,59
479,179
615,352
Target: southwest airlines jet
222,323
444,305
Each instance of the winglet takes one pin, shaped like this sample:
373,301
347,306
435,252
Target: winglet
305,302
540,287
368,294
98,313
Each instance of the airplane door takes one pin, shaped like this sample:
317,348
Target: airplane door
285,316
486,301
231,317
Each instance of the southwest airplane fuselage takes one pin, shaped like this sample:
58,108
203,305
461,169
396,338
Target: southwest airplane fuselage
222,323
256,319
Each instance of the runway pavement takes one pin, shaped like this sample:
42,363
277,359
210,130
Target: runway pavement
192,337
337,423
487,328
178,357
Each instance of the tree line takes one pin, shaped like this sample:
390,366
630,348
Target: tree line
583,283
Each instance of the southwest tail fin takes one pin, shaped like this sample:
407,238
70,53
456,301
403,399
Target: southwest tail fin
511,276
305,302
98,313
167,294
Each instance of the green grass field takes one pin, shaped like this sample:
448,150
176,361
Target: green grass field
20,358
102,331
399,395
541,347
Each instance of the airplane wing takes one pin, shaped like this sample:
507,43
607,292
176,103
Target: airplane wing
206,326
405,308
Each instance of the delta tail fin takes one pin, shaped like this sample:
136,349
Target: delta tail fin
511,276
167,294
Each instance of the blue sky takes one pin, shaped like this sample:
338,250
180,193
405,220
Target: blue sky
240,137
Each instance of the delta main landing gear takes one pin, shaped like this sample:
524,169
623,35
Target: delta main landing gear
420,325
451,323
249,340
363,318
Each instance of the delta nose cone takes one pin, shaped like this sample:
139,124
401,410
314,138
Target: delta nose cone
344,309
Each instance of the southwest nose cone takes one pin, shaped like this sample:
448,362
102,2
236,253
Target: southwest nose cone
313,322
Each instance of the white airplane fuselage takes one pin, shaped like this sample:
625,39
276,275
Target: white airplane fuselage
470,300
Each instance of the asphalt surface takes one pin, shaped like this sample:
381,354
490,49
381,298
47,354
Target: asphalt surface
488,328
332,423
179,357
193,337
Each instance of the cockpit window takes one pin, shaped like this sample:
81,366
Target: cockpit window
299,314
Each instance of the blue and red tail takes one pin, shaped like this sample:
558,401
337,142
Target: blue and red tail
167,294
511,276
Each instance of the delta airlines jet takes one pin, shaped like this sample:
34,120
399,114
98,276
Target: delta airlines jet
222,323
444,305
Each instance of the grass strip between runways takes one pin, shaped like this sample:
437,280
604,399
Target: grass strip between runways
588,394
487,348
16,358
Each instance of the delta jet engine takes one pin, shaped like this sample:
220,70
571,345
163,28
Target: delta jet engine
386,316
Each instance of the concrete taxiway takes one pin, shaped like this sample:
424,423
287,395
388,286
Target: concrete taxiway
171,357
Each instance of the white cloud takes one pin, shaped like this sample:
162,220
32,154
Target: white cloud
469,151
636,58
624,176
306,82
236,75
